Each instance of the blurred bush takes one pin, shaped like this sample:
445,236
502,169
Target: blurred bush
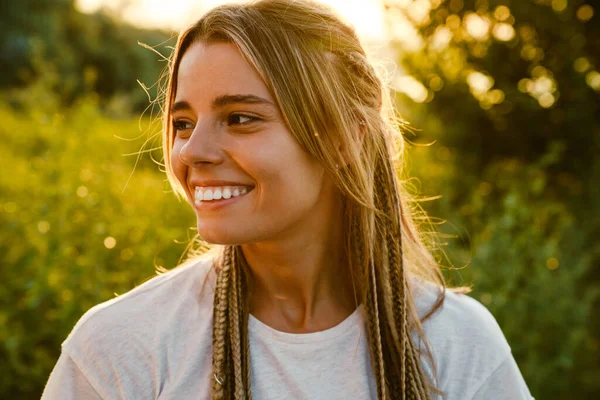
90,52
78,225
530,262
509,92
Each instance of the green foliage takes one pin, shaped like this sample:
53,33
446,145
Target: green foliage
528,261
75,229
90,52
512,103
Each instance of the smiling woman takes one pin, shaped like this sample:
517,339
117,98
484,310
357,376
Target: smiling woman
228,132
281,136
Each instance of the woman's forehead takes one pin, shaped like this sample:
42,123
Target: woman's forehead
216,69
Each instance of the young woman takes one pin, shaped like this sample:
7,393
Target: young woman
281,136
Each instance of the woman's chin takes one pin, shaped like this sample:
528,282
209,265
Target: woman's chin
220,236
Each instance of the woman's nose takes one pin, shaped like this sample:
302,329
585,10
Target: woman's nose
202,147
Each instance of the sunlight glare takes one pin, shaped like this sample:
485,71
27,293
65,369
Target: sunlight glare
477,26
479,83
411,87
365,15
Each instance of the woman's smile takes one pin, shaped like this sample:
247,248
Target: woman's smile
211,197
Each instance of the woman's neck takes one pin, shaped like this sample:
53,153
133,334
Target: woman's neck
302,282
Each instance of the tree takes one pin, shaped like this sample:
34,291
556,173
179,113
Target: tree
509,91
93,53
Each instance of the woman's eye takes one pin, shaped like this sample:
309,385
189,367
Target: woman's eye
181,125
240,119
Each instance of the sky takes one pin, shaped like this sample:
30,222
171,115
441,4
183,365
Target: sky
365,15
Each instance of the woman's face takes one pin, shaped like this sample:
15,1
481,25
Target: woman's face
245,176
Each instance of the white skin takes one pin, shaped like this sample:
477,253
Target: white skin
289,224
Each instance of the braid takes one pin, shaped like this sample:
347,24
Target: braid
372,310
393,240
231,349
244,294
220,322
402,377
234,331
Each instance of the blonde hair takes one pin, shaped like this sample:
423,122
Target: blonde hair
329,94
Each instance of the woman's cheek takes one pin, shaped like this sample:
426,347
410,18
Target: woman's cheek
177,166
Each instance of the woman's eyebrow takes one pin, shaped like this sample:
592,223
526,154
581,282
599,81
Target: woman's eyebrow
180,106
223,100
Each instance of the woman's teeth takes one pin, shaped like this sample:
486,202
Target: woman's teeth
218,192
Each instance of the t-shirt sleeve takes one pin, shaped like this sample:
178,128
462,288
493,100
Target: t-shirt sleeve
67,382
505,383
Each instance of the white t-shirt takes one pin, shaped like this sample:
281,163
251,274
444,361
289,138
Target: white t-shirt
155,342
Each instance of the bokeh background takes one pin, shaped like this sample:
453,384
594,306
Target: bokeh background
504,99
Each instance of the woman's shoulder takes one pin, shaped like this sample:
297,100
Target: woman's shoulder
148,313
129,346
466,342
458,317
